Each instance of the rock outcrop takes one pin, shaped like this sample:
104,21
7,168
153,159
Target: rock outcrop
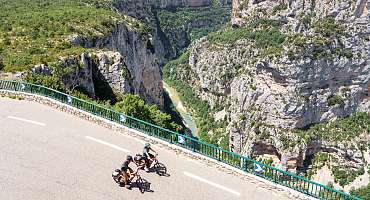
138,55
88,70
169,41
292,64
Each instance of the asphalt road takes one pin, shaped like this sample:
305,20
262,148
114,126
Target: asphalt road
48,154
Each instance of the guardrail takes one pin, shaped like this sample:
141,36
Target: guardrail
246,164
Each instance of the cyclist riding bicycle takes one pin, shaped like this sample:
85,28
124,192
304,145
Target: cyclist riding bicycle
139,160
127,172
148,156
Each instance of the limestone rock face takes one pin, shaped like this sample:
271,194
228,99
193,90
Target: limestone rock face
168,42
266,97
138,55
341,9
140,59
80,75
110,68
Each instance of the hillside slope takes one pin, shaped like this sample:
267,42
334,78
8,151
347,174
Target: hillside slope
282,67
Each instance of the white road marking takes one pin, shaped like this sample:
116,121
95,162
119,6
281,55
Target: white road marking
211,183
107,144
26,120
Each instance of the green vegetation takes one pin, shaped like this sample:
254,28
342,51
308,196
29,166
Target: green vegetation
133,105
328,27
279,7
363,193
197,33
344,176
335,100
340,130
34,32
129,104
210,130
191,24
264,33
319,160
185,15
52,81
325,41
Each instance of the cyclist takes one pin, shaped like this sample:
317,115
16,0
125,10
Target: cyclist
139,160
127,172
148,156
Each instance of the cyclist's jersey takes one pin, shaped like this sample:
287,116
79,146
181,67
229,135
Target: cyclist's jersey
125,166
146,151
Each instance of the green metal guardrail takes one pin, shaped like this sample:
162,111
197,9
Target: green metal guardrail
246,164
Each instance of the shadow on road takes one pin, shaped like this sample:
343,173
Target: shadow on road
142,184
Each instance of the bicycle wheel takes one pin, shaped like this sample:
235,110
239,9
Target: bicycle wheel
160,169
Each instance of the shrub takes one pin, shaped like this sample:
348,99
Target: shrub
344,176
279,7
335,100
363,193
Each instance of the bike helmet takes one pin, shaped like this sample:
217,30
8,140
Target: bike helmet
129,158
147,145
137,157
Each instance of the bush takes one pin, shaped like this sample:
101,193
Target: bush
335,100
344,176
134,106
328,27
279,7
182,16
53,82
363,193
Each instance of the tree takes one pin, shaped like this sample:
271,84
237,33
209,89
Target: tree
134,106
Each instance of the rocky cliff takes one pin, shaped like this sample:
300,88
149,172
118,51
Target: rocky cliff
172,21
133,66
282,67
99,73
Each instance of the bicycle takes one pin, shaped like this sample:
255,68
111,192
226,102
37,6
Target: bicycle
158,167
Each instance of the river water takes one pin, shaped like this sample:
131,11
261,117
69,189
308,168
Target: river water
185,115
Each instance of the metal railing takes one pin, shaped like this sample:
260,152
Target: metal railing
246,164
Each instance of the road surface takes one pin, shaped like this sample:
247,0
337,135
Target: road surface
48,154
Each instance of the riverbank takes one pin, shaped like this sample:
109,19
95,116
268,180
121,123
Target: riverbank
185,115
